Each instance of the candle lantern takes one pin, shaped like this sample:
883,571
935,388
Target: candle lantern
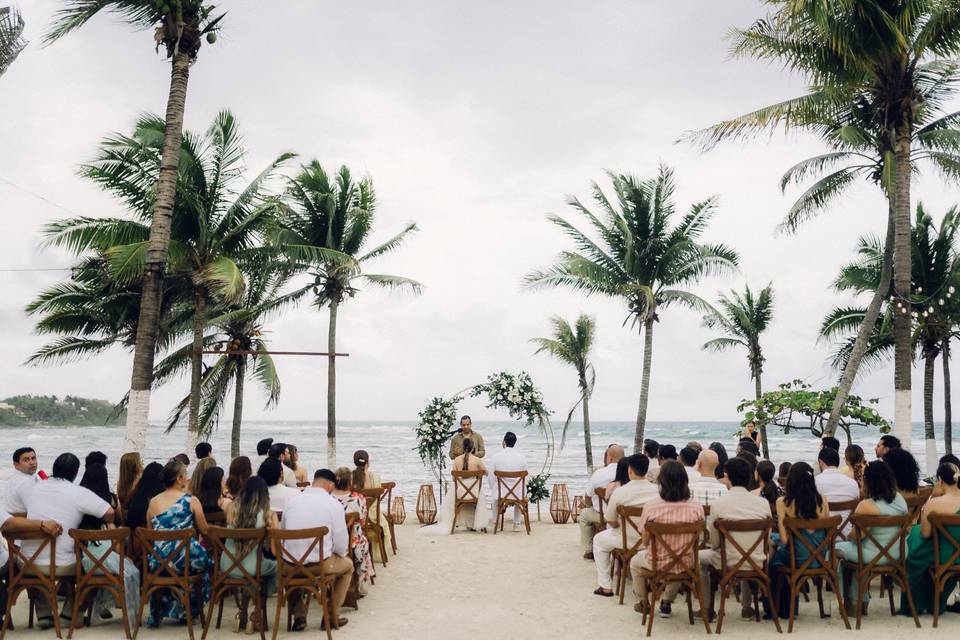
398,513
426,505
560,504
579,502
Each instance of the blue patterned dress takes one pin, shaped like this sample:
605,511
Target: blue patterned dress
178,517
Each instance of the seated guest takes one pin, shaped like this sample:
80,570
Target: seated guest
829,442
211,491
905,469
722,457
619,479
315,507
886,444
833,485
673,506
590,516
193,486
880,499
95,457
636,492
753,462
249,510
696,446
129,475
299,471
748,445
506,459
736,504
363,476
280,453
175,510
271,471
688,457
203,450
768,488
240,472
783,473
651,448
856,463
263,449
706,488
183,459
95,479
474,517
920,557
64,502
666,452
354,502
22,479
149,486
16,524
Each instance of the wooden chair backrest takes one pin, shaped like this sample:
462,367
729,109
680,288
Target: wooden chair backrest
293,567
925,490
388,488
630,521
374,497
819,554
511,486
843,505
467,486
746,561
24,569
165,568
863,525
218,518
942,536
915,504
83,537
218,537
601,493
682,553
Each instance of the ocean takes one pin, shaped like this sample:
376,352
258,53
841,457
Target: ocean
391,445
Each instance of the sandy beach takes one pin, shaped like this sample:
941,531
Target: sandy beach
509,586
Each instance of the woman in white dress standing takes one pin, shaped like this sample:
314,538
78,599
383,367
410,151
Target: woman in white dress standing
470,517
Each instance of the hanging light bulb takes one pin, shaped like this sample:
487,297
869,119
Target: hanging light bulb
925,314
914,314
919,289
930,310
951,289
942,301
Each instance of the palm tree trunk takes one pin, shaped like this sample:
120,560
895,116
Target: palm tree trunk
238,407
947,408
644,385
930,439
866,326
903,352
196,366
588,445
758,389
151,298
332,387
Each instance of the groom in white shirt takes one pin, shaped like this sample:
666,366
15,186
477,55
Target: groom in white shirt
507,459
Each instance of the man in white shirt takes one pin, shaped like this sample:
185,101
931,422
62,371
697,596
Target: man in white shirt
507,459
688,458
315,507
590,516
272,471
736,504
16,524
833,485
60,500
706,488
633,494
21,481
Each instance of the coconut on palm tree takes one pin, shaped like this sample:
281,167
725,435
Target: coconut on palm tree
571,345
179,26
11,36
326,231
742,318
639,257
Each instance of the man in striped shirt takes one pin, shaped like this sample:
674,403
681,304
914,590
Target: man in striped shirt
706,488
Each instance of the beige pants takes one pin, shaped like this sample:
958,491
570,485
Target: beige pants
710,558
40,601
638,563
338,566
589,519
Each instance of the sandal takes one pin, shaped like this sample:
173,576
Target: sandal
600,592
641,607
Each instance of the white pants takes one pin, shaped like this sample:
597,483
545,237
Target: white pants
517,514
603,544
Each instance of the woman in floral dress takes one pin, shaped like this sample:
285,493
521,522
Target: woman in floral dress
354,502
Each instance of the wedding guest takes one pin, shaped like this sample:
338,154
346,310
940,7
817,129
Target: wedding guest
696,446
193,486
721,451
203,450
736,504
272,472
666,452
856,463
880,499
688,457
95,457
96,480
210,492
183,459
590,516
263,448
651,448
364,478
906,470
149,486
706,489
299,471
748,445
673,506
753,462
829,442
944,459
240,472
886,444
280,453
174,509
783,474
23,478
131,467
833,485
507,459
636,492
768,488
354,502
466,431
16,524
315,507
620,478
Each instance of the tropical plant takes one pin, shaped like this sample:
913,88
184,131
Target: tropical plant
325,231
11,36
537,490
179,27
571,345
742,317
892,61
639,258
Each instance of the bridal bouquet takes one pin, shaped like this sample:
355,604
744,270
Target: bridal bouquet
516,394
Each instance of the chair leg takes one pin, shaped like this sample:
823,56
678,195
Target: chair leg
794,594
905,587
281,597
383,548
654,596
861,589
831,579
774,613
208,619
724,594
456,512
936,601
74,613
186,608
819,583
327,622
689,607
526,517
393,539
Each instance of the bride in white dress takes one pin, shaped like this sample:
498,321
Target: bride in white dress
473,518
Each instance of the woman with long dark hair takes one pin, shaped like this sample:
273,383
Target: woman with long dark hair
210,492
906,470
767,486
148,486
619,479
131,466
249,510
722,456
240,471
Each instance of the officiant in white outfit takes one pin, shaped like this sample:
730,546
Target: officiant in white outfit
506,459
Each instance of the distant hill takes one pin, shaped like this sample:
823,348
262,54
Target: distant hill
51,410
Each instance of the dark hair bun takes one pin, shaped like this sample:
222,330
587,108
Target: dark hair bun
948,472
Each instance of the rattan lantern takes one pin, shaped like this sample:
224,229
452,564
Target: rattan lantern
560,504
578,504
398,513
426,505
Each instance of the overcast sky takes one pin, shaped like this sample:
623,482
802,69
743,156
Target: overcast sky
475,120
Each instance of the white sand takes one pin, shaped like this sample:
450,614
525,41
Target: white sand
512,586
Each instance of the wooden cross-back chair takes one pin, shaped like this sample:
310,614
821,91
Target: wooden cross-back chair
601,493
838,508
371,526
353,593
629,523
467,487
24,573
512,492
227,562
745,567
943,570
915,505
388,488
99,576
820,564
889,564
298,573
164,575
216,518
682,565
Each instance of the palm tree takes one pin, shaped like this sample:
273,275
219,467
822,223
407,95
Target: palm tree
639,258
179,26
11,37
325,230
741,317
890,57
571,345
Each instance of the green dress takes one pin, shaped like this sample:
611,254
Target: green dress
919,563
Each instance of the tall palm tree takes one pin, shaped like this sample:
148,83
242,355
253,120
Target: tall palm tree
179,26
11,36
325,230
742,318
639,257
891,57
571,345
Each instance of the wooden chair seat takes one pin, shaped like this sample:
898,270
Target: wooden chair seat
24,573
99,577
298,573
511,492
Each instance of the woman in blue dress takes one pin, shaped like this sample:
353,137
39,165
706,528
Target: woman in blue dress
174,509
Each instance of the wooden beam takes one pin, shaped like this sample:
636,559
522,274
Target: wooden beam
245,352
